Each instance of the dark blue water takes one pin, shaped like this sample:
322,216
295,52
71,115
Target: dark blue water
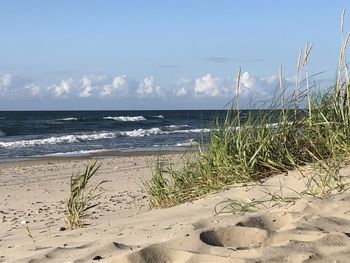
28,134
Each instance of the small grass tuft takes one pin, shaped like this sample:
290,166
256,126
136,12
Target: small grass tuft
82,197
325,179
268,200
24,223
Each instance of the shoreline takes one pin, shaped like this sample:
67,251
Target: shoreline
102,154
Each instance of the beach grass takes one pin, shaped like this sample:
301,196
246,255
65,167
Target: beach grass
82,196
305,126
325,179
268,200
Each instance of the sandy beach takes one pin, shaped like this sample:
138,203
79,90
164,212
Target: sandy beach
174,131
124,229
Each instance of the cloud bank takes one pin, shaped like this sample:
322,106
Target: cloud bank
125,88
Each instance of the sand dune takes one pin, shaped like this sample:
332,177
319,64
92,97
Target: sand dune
123,229
297,236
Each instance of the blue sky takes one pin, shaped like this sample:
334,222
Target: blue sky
157,54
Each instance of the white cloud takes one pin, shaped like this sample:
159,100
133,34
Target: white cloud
87,88
184,87
210,86
119,86
62,89
247,80
34,90
119,82
148,88
5,82
181,92
250,86
123,89
92,84
261,86
13,86
87,92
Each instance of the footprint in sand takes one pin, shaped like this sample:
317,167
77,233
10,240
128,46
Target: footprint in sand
270,222
160,254
326,224
252,232
237,237
273,237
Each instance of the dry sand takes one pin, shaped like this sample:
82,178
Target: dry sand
123,229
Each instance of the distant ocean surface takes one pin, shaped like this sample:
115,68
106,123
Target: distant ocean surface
64,133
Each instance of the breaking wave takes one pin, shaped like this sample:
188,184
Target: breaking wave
158,131
68,119
69,139
81,152
2,134
191,131
142,132
188,143
175,127
57,140
158,116
126,118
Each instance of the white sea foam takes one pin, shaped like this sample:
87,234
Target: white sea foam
175,127
81,152
156,131
69,139
126,118
68,119
38,142
96,136
141,132
57,140
159,116
205,130
188,143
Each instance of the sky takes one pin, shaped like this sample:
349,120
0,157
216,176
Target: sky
159,54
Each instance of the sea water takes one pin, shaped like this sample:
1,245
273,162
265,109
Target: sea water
25,134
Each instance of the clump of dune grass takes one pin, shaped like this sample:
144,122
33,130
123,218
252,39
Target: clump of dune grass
82,196
268,200
294,129
325,179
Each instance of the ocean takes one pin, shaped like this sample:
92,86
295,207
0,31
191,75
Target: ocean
28,134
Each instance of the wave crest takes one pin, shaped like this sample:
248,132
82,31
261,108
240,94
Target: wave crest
190,142
175,127
57,140
156,131
68,139
77,153
141,132
158,116
126,118
68,119
38,142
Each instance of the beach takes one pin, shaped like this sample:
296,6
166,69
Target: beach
174,132
36,191
123,228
